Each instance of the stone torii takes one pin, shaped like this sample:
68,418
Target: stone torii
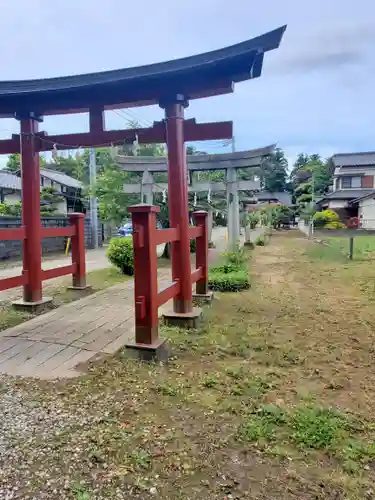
230,162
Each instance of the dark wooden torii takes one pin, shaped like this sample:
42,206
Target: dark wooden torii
171,85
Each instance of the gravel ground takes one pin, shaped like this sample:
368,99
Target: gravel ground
25,424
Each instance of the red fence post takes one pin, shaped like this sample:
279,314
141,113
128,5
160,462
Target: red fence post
201,220
77,220
30,176
147,342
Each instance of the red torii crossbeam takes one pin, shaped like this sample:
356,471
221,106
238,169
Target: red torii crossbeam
99,137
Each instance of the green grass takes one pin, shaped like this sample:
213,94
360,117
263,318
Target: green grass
338,249
309,428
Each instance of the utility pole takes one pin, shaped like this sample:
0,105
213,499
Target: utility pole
312,200
93,200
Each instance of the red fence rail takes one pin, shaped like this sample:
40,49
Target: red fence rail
146,294
12,234
78,267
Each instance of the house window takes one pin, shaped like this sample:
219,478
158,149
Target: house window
350,182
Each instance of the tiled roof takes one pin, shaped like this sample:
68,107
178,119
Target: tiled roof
284,198
10,181
371,192
346,194
354,159
64,179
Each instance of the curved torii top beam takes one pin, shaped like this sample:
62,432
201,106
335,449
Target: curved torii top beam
196,76
222,161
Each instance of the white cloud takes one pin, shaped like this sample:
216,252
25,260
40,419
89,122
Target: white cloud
316,89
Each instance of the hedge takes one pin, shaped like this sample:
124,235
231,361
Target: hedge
120,254
233,281
229,277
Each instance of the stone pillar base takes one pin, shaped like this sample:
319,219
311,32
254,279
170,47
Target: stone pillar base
33,307
149,352
203,298
189,320
79,288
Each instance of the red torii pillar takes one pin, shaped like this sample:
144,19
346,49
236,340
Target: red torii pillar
30,177
183,311
178,203
32,271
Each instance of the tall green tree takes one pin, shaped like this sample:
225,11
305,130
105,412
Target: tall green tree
312,178
298,166
14,162
274,172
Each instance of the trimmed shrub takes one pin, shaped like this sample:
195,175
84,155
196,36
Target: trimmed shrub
232,274
233,281
335,225
226,268
324,217
120,254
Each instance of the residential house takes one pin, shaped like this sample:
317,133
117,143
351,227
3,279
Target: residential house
266,197
365,205
66,186
353,179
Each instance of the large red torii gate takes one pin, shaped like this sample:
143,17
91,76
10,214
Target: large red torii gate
171,85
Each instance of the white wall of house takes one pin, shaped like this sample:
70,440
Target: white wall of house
354,172
13,198
366,210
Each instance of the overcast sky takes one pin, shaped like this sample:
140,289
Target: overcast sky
316,93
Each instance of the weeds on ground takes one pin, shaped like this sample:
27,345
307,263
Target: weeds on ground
337,249
261,241
232,274
250,406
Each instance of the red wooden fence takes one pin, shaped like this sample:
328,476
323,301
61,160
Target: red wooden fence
78,266
148,298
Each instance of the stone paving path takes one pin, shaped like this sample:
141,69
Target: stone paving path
53,344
